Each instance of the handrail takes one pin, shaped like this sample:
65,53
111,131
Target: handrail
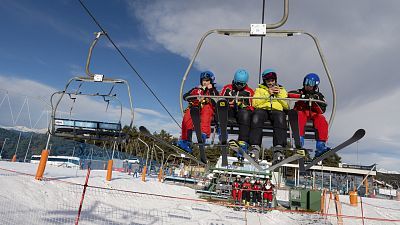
247,97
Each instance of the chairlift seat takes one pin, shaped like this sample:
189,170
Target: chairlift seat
233,128
92,130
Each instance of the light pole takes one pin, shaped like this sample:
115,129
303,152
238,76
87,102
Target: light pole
14,159
2,148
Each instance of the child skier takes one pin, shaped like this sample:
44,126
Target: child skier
206,87
313,111
241,109
269,108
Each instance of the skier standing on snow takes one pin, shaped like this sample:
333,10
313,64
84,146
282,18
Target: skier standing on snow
312,111
246,188
271,109
206,87
257,192
241,109
236,190
268,190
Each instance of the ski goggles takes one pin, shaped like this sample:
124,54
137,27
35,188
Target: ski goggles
311,82
240,84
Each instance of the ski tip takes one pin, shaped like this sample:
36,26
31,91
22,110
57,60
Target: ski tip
143,129
360,132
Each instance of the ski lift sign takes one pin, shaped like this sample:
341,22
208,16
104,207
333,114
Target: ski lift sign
258,29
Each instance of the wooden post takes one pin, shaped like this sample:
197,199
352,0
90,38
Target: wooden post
338,210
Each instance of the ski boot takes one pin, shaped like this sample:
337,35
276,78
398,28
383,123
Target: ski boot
243,147
204,137
321,148
255,152
185,145
278,156
301,141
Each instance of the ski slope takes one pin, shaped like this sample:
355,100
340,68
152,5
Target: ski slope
128,200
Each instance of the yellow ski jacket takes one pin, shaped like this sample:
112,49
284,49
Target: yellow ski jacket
262,91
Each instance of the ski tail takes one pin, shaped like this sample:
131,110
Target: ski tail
360,133
222,116
195,115
147,133
235,146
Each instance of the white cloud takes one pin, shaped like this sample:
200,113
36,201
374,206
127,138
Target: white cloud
358,39
85,108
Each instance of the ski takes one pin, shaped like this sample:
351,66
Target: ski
222,116
234,145
297,156
356,137
294,125
195,114
147,133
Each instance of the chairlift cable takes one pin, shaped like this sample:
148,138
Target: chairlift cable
128,62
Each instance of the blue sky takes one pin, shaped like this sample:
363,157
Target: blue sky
45,43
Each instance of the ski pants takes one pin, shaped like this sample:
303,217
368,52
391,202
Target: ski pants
237,195
246,195
206,116
268,195
279,124
243,118
320,124
256,196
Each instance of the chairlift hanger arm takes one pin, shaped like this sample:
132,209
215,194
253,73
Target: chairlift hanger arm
98,35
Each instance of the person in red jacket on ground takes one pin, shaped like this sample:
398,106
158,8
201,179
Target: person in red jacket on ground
246,188
236,190
206,87
257,192
268,192
312,111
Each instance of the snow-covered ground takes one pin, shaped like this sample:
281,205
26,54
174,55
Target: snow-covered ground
128,200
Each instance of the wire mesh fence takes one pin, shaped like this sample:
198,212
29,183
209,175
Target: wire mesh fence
55,201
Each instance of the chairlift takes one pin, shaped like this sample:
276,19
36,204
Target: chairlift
87,129
263,30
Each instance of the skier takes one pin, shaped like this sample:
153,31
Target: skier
256,189
268,189
246,187
269,108
206,87
313,111
241,109
236,190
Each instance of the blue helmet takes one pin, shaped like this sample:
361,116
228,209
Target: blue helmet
241,76
311,79
207,75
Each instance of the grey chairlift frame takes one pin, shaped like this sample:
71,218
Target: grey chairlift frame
91,78
269,32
